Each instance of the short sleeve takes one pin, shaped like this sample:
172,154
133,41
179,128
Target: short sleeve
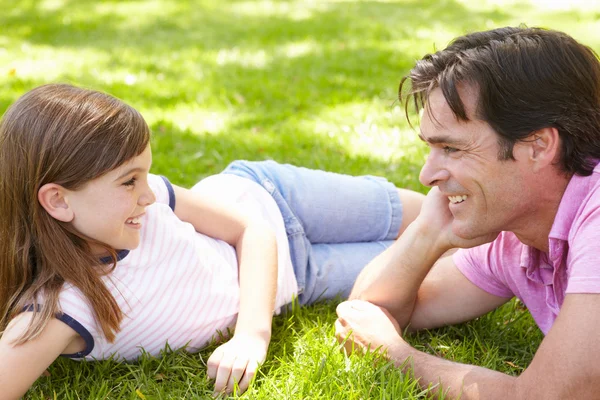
71,299
77,313
480,265
162,189
583,261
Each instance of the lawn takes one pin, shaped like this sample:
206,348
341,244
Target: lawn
312,83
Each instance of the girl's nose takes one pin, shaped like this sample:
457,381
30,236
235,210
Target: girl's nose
147,197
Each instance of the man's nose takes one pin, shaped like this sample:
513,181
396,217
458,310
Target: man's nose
433,171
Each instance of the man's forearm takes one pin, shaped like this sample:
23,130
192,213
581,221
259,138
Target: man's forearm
455,380
392,279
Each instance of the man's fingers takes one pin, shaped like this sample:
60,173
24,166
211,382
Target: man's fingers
345,337
354,308
343,308
392,319
340,329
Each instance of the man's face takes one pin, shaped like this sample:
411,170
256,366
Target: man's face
485,194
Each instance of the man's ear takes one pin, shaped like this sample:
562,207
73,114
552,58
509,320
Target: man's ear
53,198
544,147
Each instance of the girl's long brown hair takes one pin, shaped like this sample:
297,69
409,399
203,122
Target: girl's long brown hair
65,135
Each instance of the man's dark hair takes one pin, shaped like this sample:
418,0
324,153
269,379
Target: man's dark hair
527,79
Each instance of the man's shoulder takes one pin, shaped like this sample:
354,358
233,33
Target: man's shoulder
591,200
580,199
585,225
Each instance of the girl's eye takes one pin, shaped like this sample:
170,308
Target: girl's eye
130,182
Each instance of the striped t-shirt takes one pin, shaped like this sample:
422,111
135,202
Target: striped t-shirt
178,287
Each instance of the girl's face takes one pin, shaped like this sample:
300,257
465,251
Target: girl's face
111,208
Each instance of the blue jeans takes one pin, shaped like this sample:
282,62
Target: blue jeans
335,223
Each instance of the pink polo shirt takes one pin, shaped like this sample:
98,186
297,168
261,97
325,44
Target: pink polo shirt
506,267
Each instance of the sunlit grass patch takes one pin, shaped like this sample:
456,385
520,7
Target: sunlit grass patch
312,83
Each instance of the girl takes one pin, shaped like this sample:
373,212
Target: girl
100,258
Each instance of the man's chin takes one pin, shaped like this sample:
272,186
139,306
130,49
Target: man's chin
470,232
464,231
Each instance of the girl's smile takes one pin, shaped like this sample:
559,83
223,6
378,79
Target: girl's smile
135,222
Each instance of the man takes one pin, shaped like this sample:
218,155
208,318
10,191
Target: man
512,119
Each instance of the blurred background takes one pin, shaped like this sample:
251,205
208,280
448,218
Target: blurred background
307,82
312,83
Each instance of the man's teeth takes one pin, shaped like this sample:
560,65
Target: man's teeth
133,221
457,199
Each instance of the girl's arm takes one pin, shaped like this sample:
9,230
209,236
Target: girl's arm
256,247
22,364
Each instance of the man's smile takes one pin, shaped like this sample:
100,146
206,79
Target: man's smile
457,199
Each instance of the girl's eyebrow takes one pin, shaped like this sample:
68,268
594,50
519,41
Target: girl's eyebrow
129,171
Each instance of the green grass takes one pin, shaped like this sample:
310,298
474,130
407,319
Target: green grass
307,82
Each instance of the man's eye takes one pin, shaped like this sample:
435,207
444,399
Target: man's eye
130,182
449,150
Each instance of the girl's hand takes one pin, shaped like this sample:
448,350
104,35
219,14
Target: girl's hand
364,326
236,362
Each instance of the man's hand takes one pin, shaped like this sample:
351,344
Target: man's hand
236,362
436,219
362,326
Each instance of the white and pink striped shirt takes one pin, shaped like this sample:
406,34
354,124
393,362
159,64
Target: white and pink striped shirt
179,287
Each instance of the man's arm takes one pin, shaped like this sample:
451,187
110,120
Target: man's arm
447,297
393,278
566,366
404,281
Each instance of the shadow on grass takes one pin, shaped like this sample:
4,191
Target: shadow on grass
200,24
339,52
264,63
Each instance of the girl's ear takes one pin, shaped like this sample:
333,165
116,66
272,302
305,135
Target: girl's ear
53,198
